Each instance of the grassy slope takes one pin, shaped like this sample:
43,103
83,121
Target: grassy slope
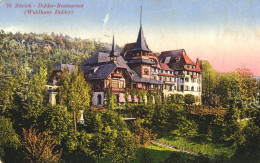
207,148
159,154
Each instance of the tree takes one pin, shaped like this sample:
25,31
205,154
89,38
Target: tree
111,101
208,82
109,136
39,147
74,93
8,136
35,98
143,137
189,99
186,128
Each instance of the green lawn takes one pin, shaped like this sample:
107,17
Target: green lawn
159,153
206,148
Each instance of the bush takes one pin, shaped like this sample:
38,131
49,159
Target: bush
39,147
189,99
143,137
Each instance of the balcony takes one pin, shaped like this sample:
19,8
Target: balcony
117,75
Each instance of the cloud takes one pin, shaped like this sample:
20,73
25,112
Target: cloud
106,19
14,29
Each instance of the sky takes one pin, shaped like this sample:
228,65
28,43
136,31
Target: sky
224,32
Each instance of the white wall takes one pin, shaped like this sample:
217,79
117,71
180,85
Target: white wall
95,98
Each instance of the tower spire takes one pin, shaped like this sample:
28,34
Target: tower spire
113,54
141,17
141,44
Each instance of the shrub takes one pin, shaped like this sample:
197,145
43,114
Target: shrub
189,99
39,147
144,136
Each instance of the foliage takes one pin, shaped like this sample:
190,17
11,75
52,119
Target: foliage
8,136
111,101
36,97
186,128
39,147
143,137
8,87
109,134
208,83
189,99
74,93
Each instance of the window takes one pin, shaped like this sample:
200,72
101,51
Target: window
182,80
175,87
192,88
182,87
187,88
186,79
122,84
146,71
115,84
99,99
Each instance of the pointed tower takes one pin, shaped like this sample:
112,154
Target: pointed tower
140,62
113,54
141,46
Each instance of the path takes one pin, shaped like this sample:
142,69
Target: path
178,149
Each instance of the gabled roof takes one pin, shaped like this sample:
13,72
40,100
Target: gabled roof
100,71
141,44
99,57
176,59
165,66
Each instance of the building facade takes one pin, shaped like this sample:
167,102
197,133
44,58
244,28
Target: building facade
138,68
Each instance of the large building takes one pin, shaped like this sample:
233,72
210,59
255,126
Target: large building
138,68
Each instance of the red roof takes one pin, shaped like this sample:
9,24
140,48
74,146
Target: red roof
165,66
187,59
197,69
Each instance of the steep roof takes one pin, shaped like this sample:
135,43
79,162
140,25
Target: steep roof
102,70
128,47
99,57
113,52
176,59
141,44
165,66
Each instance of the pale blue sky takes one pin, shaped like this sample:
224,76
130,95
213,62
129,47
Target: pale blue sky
226,32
